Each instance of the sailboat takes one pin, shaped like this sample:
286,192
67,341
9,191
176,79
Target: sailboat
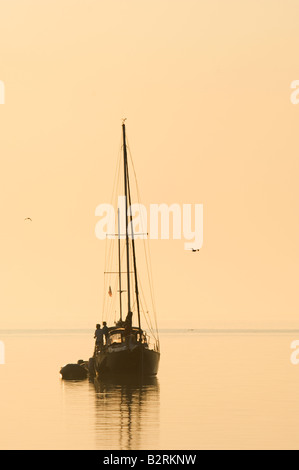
128,349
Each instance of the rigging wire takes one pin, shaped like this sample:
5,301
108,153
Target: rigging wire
110,260
146,246
109,247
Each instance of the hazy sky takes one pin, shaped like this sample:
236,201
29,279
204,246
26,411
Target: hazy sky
205,86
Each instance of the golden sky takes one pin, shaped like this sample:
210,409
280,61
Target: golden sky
205,86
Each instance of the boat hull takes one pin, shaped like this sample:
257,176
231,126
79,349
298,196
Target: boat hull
138,361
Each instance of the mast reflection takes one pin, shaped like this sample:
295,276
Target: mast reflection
127,413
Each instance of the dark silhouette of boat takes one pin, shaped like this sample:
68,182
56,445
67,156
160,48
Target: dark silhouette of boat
128,349
127,353
77,371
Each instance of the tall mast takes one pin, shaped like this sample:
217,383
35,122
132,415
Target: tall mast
119,268
126,218
134,256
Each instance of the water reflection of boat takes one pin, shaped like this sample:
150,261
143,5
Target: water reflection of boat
127,413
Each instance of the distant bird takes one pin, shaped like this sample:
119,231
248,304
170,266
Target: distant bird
28,218
194,249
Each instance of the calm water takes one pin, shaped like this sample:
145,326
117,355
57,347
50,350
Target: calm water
214,391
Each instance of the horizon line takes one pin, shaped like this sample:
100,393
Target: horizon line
187,329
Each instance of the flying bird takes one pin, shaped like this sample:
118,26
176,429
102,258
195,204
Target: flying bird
28,218
193,249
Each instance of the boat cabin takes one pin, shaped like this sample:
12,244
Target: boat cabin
118,336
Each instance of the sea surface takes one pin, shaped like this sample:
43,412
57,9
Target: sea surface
215,390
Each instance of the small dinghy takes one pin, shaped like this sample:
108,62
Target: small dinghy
74,371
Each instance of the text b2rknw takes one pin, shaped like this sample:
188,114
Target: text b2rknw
151,459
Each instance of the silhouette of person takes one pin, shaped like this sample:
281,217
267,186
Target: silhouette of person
128,324
105,331
98,335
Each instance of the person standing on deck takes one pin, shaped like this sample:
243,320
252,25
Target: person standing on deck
128,324
98,335
105,330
